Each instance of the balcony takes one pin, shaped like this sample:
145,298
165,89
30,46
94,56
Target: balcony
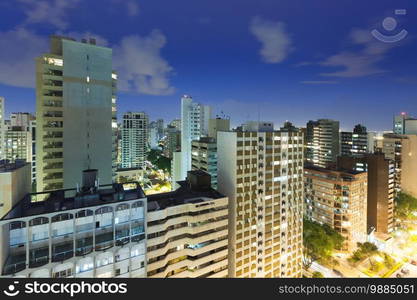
38,257
15,263
62,251
104,241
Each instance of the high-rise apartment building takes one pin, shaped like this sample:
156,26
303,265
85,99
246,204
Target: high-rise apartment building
338,198
135,133
32,129
218,124
176,123
402,150
75,113
21,120
322,142
18,144
173,141
261,172
99,232
187,232
204,157
2,129
153,135
354,143
380,205
194,124
404,124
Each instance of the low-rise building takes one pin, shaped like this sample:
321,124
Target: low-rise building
93,231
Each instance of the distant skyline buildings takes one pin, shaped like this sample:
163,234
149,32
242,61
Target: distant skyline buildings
135,136
194,124
323,144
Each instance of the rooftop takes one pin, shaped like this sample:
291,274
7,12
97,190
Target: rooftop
195,189
7,166
58,201
334,171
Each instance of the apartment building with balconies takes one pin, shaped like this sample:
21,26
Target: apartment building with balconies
401,149
261,172
338,198
75,113
204,157
98,232
187,232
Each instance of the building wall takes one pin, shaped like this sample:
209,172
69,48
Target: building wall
194,124
18,145
261,174
409,165
87,93
202,253
135,134
55,240
338,199
74,82
204,157
14,185
380,204
323,145
2,129
216,125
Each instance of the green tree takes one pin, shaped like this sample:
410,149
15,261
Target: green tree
319,242
317,275
161,162
405,205
364,250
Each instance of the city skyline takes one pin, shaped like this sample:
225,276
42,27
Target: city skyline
265,58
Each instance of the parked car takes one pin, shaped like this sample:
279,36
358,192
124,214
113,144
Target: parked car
414,263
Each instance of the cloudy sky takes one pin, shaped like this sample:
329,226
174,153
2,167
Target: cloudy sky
281,60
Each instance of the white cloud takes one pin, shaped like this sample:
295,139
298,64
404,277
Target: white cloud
48,11
276,42
318,82
19,48
362,62
140,66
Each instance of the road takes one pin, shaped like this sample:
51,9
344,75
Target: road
408,266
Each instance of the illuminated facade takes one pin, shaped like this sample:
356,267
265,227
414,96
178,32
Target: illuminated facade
187,233
323,145
402,151
99,234
338,199
135,133
262,175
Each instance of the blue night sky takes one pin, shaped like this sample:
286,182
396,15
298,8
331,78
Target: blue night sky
281,60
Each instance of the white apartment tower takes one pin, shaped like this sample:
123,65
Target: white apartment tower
75,113
262,175
135,135
194,124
